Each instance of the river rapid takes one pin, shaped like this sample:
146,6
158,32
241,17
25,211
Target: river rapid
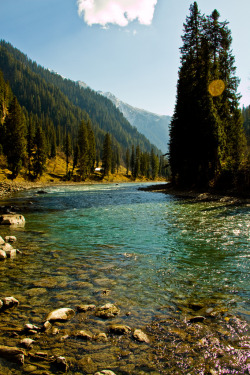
177,270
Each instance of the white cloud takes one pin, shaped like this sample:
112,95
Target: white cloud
119,12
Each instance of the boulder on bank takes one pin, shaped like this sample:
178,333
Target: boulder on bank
12,219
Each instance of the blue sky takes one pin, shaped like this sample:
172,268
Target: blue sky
127,47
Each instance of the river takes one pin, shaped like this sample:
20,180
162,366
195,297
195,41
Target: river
177,270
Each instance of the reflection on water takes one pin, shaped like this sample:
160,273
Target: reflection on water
163,261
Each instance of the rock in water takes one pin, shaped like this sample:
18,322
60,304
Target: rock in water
119,329
107,311
9,302
139,335
13,354
2,255
60,315
1,241
9,239
12,219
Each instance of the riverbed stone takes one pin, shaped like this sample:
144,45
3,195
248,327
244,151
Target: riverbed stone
61,364
107,311
11,253
3,254
9,302
27,342
9,239
105,372
12,219
83,335
85,308
139,335
62,314
1,241
101,337
12,354
119,329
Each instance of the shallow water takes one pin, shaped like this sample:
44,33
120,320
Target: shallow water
161,260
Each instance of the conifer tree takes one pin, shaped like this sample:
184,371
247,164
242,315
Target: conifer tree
127,161
107,155
83,156
15,137
206,136
67,151
40,154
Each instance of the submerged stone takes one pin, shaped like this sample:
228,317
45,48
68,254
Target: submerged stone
107,311
62,314
119,329
85,308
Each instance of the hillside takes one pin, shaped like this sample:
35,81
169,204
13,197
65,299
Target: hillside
154,127
64,103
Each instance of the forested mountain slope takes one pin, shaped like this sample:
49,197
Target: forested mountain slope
64,103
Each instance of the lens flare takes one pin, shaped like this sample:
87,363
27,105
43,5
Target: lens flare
216,87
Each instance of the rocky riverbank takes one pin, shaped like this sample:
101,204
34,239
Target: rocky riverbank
233,197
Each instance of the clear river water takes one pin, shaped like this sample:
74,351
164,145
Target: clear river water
177,270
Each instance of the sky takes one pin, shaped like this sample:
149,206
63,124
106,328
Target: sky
127,47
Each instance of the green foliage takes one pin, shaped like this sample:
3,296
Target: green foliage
62,104
206,135
40,154
107,155
14,137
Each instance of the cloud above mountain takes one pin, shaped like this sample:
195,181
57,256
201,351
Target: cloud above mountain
119,12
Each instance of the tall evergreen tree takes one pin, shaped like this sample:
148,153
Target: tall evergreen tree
67,151
40,153
15,137
107,155
83,156
206,135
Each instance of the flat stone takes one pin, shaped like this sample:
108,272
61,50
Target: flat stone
12,219
139,335
85,308
83,335
60,315
119,329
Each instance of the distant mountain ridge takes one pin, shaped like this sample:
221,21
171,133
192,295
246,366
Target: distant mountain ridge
154,127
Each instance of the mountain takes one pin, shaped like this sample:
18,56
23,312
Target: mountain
154,127
63,103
